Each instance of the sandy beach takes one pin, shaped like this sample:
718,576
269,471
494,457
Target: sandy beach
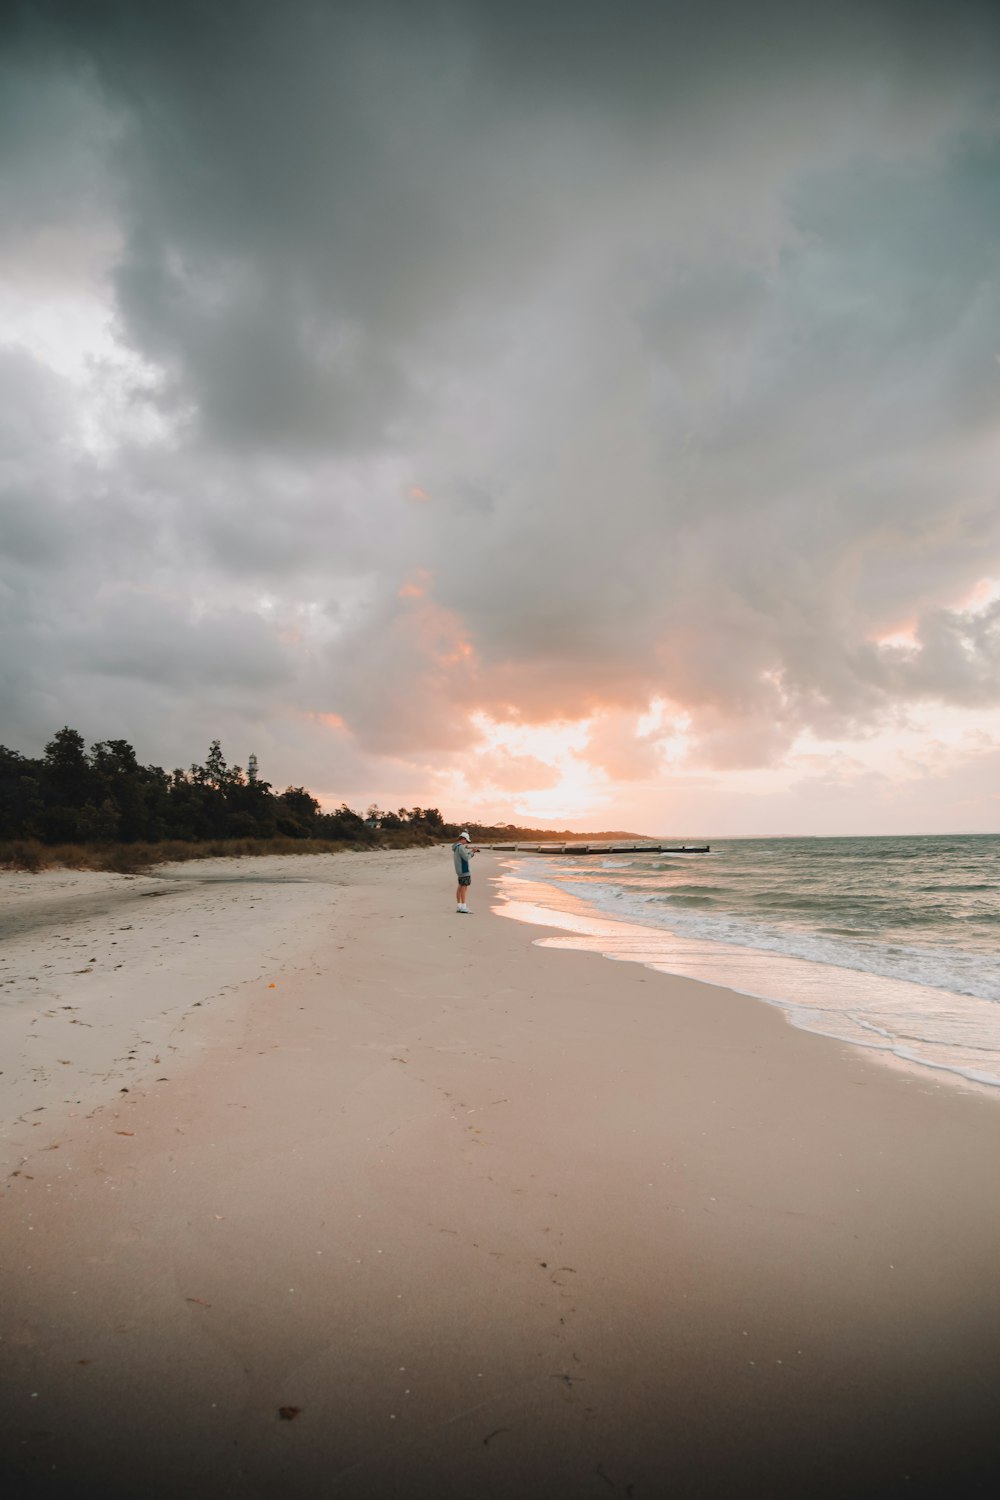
315,1188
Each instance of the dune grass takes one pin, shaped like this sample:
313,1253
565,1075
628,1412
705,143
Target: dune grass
130,859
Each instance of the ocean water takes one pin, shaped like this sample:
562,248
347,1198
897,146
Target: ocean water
886,943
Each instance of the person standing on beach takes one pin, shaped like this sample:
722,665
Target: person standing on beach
463,850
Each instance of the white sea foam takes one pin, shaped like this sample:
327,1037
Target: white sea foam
946,968
932,1005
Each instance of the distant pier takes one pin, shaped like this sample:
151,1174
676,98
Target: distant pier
599,848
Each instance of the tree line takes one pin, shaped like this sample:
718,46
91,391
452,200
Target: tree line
104,796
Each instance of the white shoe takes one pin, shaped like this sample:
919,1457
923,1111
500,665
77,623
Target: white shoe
463,909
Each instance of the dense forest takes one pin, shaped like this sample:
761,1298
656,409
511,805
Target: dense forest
104,799
72,796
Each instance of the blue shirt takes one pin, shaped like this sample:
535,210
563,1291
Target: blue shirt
462,856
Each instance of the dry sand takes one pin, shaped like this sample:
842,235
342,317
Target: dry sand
482,1219
102,977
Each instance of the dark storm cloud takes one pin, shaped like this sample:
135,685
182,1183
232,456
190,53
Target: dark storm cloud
682,321
310,191
54,139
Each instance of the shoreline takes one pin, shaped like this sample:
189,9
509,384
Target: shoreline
816,994
494,1218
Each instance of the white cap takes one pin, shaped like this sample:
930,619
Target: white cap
465,836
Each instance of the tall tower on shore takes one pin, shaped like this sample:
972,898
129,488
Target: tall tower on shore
252,768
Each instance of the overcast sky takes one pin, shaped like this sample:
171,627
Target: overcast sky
569,411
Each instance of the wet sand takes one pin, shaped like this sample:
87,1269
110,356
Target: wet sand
338,1193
